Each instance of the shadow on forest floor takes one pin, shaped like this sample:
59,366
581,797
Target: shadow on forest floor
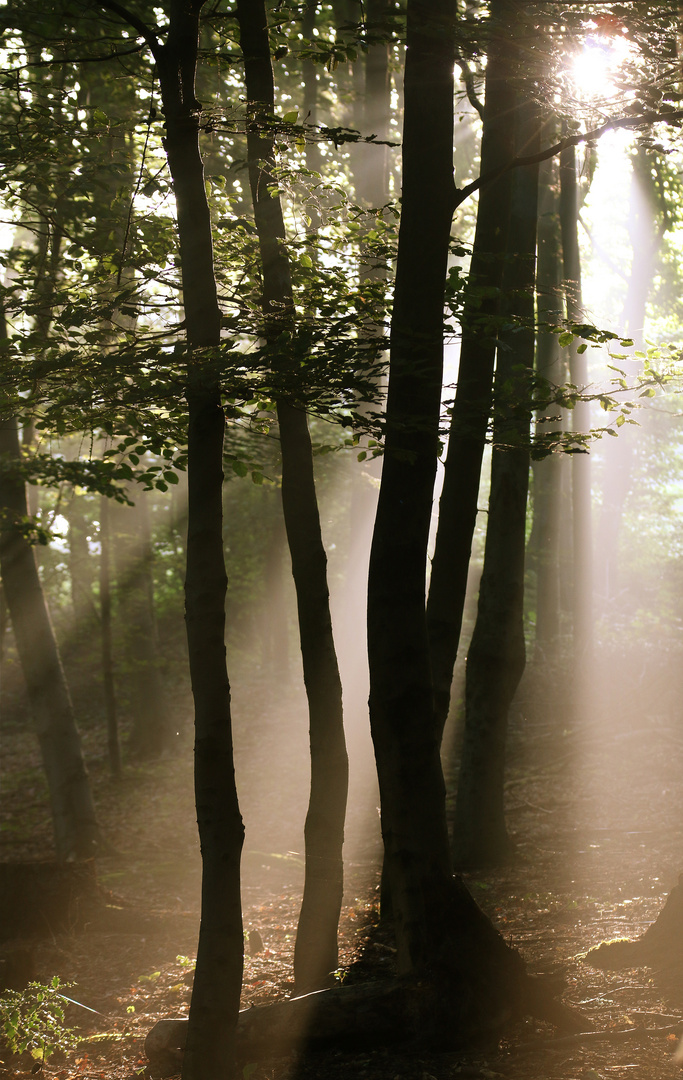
595,810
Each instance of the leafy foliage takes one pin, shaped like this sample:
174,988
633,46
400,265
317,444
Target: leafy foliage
33,1020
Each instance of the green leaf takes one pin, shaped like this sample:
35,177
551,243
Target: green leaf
565,338
291,117
171,477
582,347
306,260
240,468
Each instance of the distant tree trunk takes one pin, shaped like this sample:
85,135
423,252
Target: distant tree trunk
133,555
73,813
440,932
545,541
275,630
80,566
646,240
472,406
315,955
582,537
113,747
496,657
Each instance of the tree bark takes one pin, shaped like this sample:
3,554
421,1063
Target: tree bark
496,657
472,406
315,955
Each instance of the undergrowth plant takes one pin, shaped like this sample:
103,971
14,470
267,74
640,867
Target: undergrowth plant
33,1020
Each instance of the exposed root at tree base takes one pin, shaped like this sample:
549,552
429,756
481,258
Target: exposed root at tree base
368,1014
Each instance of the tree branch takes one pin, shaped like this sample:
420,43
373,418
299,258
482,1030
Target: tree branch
564,144
137,23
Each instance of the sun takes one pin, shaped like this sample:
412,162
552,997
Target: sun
594,69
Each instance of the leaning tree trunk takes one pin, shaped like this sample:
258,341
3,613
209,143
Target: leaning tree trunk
496,657
440,932
315,955
73,814
472,406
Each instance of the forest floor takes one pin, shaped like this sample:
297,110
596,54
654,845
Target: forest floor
595,808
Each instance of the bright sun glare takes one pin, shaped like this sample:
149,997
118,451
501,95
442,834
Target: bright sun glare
594,68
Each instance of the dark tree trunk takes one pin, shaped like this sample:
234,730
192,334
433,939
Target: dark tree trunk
73,813
401,703
545,540
315,955
582,542
440,932
472,406
496,656
218,977
113,745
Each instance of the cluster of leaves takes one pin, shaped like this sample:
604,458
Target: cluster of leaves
33,1020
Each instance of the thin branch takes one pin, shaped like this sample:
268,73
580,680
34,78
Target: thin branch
59,61
470,90
137,23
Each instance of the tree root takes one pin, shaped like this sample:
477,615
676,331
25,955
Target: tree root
367,1014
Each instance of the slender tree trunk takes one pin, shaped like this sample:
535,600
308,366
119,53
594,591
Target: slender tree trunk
547,472
315,954
73,813
218,976
582,541
113,746
472,406
496,657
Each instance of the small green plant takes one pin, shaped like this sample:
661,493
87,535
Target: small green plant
33,1020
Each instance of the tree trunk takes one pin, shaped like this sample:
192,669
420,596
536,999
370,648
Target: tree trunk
218,977
547,472
113,746
646,240
315,955
73,813
440,932
496,657
472,406
582,541
150,732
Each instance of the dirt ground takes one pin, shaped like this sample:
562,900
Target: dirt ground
595,808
